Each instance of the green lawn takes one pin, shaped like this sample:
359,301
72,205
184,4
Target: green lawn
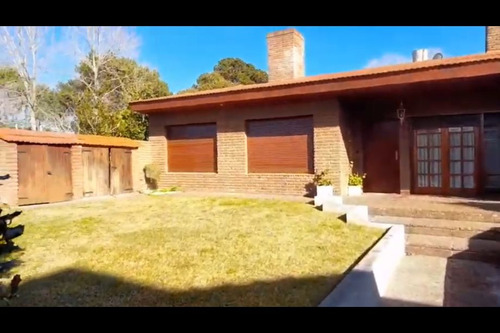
174,251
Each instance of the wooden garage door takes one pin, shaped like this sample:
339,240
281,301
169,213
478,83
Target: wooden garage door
121,170
192,148
95,171
283,145
44,174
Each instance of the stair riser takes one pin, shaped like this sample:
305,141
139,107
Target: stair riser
443,253
491,217
487,235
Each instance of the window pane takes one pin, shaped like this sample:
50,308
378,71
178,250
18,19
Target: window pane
455,168
423,168
423,181
468,182
468,139
435,154
455,154
467,128
421,140
437,139
469,153
435,181
422,153
436,167
455,139
468,168
455,181
454,129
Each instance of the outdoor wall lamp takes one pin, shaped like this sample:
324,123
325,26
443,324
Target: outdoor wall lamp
401,112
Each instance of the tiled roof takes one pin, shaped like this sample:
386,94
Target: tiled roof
393,69
27,136
107,141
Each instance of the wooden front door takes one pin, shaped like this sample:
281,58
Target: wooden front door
95,171
44,174
381,157
445,160
121,170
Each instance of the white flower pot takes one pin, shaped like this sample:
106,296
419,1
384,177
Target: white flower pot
354,190
324,191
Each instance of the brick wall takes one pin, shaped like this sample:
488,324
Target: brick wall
77,171
493,39
329,149
285,51
140,158
8,165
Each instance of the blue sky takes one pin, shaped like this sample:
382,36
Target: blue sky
181,54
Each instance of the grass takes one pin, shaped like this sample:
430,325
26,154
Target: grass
174,251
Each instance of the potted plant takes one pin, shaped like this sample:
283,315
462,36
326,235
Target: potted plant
323,182
355,183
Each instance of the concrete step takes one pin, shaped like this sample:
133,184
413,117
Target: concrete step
456,215
453,247
442,227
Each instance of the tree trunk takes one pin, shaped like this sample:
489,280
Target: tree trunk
32,120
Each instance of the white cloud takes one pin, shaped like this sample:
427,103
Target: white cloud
396,58
388,59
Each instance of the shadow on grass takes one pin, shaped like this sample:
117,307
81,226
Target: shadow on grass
9,258
75,287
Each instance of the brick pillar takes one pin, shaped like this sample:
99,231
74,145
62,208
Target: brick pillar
8,165
140,158
77,171
231,144
285,51
329,148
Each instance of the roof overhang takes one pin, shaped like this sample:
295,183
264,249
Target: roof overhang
334,84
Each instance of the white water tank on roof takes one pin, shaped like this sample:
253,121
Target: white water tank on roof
420,55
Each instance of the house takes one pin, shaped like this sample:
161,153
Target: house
427,127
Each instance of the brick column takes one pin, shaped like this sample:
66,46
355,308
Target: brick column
8,165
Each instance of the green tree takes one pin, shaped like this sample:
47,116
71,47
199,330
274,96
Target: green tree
228,72
100,98
237,71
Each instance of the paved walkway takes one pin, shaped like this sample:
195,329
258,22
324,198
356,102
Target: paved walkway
433,281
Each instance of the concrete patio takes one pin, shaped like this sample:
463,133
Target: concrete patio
433,281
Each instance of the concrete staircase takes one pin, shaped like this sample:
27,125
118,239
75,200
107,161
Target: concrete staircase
450,238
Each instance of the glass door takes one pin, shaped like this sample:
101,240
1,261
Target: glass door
445,160
462,158
429,160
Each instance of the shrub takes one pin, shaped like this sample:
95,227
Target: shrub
152,173
355,179
323,178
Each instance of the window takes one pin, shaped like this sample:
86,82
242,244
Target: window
192,148
281,145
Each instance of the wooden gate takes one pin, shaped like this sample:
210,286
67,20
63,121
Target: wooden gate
121,170
95,171
44,174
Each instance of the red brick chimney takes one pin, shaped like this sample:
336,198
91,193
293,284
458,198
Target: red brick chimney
493,39
285,51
